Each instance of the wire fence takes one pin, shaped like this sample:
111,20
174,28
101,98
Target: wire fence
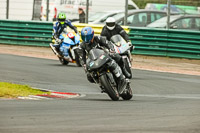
16,9
3,7
39,10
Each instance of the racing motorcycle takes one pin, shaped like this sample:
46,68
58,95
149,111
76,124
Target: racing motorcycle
97,67
69,51
123,48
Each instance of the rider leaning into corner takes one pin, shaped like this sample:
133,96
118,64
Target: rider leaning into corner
59,27
111,29
90,41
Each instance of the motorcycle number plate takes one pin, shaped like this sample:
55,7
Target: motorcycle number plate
70,35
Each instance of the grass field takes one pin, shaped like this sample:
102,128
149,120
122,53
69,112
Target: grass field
10,90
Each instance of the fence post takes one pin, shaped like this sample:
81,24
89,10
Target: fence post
33,9
47,14
7,10
168,13
87,12
126,12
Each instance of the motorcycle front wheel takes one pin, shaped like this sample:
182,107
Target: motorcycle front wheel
63,61
111,91
128,68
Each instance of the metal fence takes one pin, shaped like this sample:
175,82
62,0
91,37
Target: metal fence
46,10
159,42
25,32
16,9
3,7
171,43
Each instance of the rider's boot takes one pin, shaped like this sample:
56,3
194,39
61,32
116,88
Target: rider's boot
122,83
68,58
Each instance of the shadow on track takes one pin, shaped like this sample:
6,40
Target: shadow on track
60,65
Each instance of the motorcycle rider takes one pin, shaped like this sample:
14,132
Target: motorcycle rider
58,28
90,41
111,29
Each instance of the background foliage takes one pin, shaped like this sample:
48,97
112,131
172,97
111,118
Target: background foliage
142,3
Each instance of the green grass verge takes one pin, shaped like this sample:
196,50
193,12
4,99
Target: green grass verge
10,90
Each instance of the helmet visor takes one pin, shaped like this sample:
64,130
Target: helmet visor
87,38
110,24
62,21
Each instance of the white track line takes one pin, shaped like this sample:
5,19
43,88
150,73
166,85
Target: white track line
32,97
180,96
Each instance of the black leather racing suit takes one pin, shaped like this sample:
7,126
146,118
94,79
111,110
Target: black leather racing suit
100,42
117,30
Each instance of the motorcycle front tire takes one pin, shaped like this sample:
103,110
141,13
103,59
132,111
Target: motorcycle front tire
63,61
111,91
128,68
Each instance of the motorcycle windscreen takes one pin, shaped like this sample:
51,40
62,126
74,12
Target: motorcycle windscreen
68,41
120,44
117,38
74,37
95,53
96,58
62,36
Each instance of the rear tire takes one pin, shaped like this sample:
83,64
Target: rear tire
63,61
111,91
128,94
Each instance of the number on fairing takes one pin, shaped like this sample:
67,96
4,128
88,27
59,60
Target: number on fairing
70,35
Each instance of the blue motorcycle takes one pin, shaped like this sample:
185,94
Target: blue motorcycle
69,51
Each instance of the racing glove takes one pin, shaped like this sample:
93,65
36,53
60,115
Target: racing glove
110,46
58,41
131,46
129,43
85,68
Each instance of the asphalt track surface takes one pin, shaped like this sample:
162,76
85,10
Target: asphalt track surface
162,102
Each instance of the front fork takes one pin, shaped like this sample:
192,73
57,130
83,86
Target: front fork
128,60
130,57
111,78
54,50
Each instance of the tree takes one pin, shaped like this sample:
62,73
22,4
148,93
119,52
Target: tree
142,3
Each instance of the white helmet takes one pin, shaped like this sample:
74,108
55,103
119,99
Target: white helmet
110,23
